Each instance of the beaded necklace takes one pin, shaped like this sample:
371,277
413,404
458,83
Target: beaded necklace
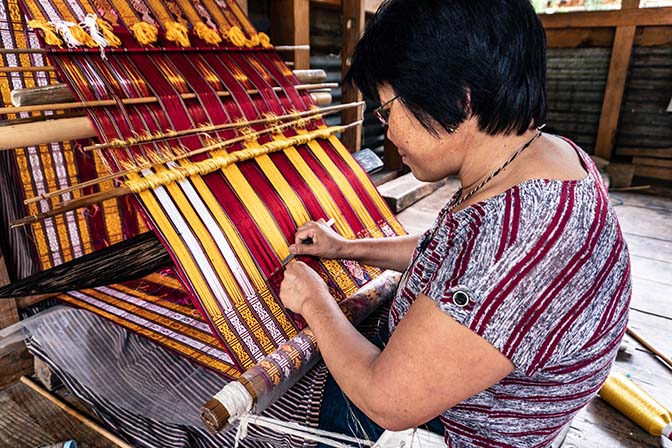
494,173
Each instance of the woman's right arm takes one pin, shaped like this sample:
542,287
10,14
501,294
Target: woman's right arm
385,253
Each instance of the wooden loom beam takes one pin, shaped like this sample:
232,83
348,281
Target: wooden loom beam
42,106
61,93
63,129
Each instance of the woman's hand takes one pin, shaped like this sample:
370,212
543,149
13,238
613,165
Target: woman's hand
326,243
302,285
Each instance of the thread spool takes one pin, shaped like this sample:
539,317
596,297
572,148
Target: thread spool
66,444
636,404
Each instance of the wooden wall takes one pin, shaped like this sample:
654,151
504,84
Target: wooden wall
609,79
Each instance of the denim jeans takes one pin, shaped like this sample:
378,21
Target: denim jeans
339,415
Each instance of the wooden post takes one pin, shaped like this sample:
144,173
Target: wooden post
353,25
9,313
613,94
290,25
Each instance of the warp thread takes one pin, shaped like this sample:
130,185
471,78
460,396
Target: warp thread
294,429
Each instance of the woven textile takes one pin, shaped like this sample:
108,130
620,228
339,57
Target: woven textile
36,170
228,213
148,395
157,308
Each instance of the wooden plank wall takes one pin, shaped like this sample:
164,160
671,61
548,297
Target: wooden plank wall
633,125
576,79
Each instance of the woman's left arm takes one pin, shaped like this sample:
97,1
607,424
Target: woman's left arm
430,364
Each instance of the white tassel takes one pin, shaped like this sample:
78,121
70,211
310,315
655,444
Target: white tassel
63,28
90,23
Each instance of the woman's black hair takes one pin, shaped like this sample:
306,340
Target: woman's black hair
448,59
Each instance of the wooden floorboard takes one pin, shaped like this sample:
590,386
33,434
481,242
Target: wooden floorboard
646,222
29,420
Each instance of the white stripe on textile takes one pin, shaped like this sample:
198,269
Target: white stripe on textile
201,258
40,188
63,182
153,326
666,435
158,309
303,432
237,270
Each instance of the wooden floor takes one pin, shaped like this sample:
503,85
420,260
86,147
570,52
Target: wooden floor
646,222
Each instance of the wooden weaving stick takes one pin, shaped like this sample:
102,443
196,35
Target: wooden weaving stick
143,100
123,190
61,93
664,359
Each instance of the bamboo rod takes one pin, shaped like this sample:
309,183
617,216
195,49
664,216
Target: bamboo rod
149,49
76,414
61,93
46,68
665,360
221,127
317,113
43,132
22,51
142,100
96,198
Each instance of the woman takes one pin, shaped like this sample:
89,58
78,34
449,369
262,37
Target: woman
513,304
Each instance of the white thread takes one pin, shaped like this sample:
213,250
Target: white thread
236,399
294,429
91,23
63,28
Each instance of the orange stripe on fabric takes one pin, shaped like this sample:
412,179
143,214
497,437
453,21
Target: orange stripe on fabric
192,332
161,13
126,12
242,18
381,205
199,284
167,281
216,12
220,267
345,187
246,260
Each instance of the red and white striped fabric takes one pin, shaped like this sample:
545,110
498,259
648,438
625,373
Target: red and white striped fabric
541,272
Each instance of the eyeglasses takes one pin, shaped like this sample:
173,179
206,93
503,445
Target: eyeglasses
382,113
